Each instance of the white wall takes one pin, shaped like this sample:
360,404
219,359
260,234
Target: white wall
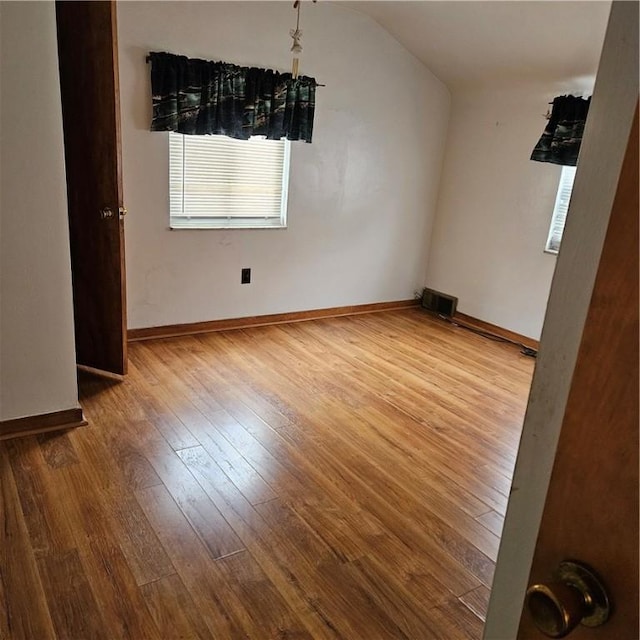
37,355
495,206
362,195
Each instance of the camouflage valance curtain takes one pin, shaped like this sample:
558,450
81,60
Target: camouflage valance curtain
560,142
199,97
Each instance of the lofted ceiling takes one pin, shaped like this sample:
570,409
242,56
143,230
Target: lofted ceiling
499,42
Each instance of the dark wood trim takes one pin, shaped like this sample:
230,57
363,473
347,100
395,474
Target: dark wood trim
100,372
174,330
464,319
58,420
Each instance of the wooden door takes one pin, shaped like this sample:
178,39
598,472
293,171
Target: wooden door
87,49
591,510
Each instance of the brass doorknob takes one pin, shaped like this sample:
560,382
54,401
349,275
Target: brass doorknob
575,596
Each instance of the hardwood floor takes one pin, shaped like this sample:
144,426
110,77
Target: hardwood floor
339,478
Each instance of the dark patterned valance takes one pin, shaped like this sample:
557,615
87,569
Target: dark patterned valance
200,97
560,142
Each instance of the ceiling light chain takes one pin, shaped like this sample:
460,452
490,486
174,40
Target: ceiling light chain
296,34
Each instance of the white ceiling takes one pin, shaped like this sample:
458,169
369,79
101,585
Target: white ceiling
497,43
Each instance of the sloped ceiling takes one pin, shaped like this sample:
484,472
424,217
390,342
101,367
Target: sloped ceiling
497,43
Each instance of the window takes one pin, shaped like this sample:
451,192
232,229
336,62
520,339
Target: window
560,209
221,183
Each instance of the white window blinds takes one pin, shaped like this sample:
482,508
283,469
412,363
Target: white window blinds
219,182
560,209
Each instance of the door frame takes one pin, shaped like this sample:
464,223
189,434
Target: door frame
601,157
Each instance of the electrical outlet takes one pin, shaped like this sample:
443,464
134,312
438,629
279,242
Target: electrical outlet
245,277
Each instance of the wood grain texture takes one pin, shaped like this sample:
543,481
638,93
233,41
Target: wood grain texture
25,613
57,449
330,479
173,609
477,601
73,606
493,521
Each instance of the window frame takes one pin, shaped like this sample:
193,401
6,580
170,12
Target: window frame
189,221
560,210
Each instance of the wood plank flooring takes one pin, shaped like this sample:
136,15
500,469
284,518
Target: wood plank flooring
339,478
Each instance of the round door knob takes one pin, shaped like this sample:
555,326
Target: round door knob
575,596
